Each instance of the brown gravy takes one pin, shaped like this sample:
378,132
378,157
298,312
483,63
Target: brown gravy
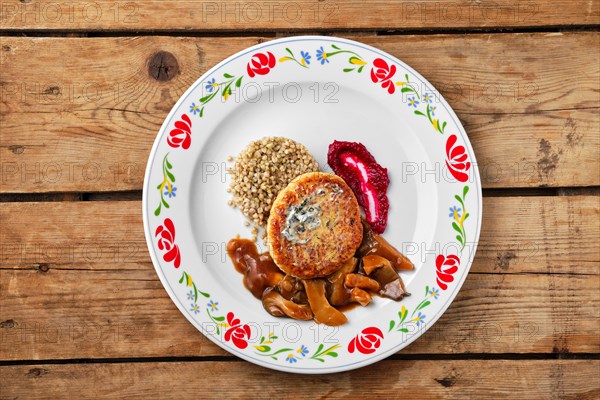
261,273
259,270
347,307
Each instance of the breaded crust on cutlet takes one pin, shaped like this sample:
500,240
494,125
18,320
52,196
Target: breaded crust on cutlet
314,225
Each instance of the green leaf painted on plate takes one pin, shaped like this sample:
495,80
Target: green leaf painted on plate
282,350
228,76
263,348
423,305
456,227
208,98
457,197
402,314
227,90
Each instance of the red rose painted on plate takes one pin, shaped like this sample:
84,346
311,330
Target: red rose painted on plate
382,73
166,242
238,333
445,268
260,64
367,341
456,160
181,135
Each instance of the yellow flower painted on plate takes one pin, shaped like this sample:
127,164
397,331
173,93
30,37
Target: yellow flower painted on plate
356,61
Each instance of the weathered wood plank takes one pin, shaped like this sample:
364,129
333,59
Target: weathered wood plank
113,305
479,379
88,122
97,314
230,15
519,235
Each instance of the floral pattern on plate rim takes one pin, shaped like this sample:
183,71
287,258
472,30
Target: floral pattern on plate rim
382,73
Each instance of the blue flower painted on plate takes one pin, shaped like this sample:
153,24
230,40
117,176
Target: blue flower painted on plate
195,308
291,359
432,110
434,293
190,295
303,350
413,102
322,56
305,57
211,84
213,305
170,191
419,319
427,98
454,212
194,109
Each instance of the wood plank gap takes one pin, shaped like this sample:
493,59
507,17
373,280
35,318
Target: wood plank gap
39,197
495,29
136,195
119,360
394,357
302,31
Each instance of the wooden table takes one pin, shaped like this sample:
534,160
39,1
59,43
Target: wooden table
84,88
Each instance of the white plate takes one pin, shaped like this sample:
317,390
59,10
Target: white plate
345,91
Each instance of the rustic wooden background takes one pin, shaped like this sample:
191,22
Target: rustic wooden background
85,86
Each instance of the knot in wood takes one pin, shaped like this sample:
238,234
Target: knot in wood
163,66
43,267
